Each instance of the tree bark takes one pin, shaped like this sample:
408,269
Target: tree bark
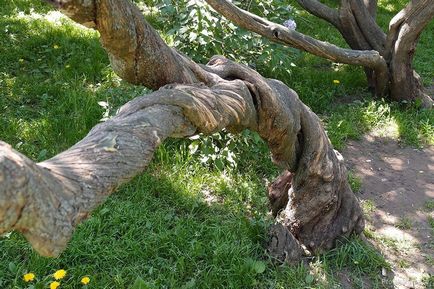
404,34
46,201
136,52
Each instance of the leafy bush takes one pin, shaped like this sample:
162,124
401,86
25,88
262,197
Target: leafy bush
224,150
197,30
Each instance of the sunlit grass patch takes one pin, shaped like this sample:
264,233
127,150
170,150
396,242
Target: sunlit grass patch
410,125
358,260
404,223
429,205
53,73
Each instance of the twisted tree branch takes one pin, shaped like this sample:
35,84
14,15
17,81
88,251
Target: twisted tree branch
46,201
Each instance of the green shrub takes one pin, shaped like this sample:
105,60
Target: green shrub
194,28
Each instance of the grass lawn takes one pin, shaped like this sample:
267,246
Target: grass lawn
183,223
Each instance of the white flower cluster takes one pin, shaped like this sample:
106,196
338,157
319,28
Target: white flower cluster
290,24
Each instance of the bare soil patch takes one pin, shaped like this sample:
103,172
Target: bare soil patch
397,188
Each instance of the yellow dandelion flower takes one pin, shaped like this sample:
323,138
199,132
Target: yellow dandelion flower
55,46
85,280
54,285
336,81
29,277
59,274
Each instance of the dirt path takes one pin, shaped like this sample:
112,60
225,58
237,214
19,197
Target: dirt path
397,193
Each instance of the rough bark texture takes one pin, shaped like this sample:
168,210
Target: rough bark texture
386,58
46,201
405,31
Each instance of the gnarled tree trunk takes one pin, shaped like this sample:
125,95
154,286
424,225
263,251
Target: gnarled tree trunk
46,201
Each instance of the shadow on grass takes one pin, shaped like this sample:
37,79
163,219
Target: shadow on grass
155,228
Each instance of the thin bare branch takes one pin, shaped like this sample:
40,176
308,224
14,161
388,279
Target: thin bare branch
321,10
281,34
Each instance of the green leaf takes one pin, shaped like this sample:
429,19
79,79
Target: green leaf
309,279
219,164
259,267
140,284
193,147
12,267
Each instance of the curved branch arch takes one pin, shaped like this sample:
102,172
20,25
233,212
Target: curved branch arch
46,201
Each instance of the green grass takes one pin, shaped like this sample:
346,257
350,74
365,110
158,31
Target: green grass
429,205
404,223
160,227
355,182
431,222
